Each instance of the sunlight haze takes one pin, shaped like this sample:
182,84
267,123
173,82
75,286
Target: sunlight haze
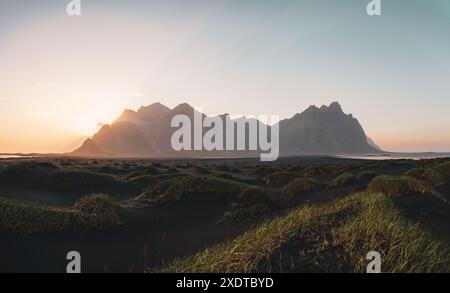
62,78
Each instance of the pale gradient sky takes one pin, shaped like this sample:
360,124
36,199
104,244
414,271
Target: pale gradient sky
61,77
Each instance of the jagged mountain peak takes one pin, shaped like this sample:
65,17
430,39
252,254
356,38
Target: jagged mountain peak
323,130
148,113
182,107
335,106
314,112
147,132
152,108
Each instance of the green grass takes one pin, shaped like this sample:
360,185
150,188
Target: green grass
443,168
279,179
263,170
316,171
345,179
329,238
396,186
149,170
251,202
226,176
428,175
178,188
91,214
300,187
366,175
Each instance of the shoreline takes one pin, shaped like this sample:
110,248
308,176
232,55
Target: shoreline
375,157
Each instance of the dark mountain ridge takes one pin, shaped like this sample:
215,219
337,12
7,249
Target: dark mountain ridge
147,132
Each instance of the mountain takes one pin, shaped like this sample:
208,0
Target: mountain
143,133
144,114
324,130
147,132
372,143
75,144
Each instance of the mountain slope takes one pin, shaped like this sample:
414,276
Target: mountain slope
324,130
147,133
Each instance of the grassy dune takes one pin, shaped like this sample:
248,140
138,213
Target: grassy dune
330,238
61,184
278,179
300,187
428,175
395,186
344,179
178,188
93,213
289,216
250,203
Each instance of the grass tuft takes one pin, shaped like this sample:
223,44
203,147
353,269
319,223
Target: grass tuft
178,188
345,179
279,179
251,202
300,187
428,175
443,168
396,186
91,214
312,238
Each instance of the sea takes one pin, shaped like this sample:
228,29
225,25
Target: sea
398,156
13,156
383,156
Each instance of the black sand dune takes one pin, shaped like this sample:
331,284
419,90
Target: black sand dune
183,212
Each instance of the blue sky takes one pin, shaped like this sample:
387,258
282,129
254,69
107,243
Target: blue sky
242,57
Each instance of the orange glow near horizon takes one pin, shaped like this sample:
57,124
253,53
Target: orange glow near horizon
58,139
54,93
61,78
437,141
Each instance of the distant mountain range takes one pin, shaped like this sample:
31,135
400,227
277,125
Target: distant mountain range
147,133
